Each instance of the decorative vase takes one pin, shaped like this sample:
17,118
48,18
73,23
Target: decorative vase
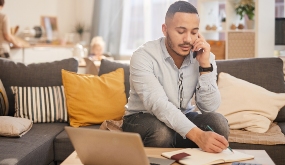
249,24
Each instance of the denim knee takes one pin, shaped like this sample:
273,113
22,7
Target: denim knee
218,123
159,136
153,132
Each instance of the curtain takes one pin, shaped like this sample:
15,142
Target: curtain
107,23
127,24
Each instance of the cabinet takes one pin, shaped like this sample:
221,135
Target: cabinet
245,43
38,54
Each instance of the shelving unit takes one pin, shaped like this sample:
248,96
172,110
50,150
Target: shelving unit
244,43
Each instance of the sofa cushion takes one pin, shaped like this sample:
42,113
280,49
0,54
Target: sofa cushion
265,72
92,99
36,147
40,74
41,104
14,127
63,146
246,105
109,66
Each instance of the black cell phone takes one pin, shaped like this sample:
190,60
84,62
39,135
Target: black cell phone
195,54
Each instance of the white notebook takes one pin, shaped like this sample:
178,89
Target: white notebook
199,157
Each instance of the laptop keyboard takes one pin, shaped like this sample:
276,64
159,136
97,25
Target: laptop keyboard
240,163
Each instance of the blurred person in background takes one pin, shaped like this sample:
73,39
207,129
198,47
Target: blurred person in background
97,48
5,34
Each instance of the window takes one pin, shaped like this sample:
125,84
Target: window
279,9
142,22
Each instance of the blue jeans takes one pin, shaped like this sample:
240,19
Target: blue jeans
155,133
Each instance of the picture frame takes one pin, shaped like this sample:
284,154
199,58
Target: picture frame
49,23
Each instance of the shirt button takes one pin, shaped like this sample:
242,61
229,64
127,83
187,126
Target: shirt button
181,99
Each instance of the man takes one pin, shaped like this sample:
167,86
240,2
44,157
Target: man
164,75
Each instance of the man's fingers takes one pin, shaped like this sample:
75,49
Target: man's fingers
200,36
222,140
216,148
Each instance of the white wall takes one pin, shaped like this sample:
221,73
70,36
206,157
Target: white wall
27,13
264,26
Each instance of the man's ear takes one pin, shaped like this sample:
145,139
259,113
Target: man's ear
164,29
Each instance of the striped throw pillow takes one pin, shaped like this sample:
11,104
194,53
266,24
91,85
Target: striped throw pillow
40,104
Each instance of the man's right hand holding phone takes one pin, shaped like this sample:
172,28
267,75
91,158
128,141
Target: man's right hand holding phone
203,51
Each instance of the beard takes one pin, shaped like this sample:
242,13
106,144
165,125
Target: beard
171,46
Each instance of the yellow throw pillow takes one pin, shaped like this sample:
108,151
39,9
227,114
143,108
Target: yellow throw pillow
246,105
92,99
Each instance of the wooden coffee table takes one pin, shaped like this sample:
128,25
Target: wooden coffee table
260,156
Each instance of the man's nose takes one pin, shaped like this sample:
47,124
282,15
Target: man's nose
188,38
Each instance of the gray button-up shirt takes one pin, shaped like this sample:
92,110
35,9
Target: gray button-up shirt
154,86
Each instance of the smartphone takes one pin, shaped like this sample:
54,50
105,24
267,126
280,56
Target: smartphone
195,54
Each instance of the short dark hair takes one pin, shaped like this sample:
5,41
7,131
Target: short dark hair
180,6
2,2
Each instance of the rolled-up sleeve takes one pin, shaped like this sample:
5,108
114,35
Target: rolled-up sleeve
208,97
153,96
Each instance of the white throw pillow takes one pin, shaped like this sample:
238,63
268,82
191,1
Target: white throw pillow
13,126
246,105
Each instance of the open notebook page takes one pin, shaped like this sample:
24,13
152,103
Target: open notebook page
199,157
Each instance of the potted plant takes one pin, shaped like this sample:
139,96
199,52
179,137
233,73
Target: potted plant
246,7
79,28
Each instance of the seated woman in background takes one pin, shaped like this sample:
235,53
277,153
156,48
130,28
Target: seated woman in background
97,48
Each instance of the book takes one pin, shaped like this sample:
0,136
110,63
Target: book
199,157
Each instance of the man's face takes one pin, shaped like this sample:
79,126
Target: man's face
181,31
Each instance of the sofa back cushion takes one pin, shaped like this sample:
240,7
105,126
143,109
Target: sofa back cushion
265,72
32,75
109,66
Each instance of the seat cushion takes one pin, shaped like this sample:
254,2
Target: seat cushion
62,145
33,75
263,72
36,147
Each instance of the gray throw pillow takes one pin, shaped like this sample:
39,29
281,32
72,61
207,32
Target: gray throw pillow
109,66
265,72
14,127
32,75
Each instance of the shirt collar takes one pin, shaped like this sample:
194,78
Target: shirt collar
164,50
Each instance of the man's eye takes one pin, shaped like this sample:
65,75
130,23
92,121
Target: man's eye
194,33
180,32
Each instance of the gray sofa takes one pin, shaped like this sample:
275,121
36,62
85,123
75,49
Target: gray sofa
48,143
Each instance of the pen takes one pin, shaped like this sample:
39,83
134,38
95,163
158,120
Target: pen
214,131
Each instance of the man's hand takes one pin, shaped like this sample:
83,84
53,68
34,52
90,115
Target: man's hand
203,48
208,141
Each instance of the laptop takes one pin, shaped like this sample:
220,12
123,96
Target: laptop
94,146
